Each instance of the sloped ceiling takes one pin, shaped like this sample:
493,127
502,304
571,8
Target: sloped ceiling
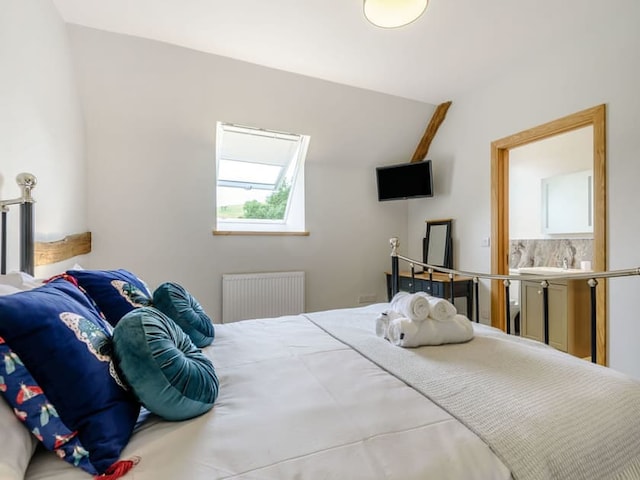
455,46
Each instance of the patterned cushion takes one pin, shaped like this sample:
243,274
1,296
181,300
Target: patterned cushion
116,292
59,337
180,306
169,375
32,407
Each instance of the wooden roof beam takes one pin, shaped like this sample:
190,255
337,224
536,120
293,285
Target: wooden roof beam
436,119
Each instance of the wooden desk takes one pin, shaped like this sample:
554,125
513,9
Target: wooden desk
439,287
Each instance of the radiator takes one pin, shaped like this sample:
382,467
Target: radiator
261,295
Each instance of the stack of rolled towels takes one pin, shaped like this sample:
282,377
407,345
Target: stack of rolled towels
418,319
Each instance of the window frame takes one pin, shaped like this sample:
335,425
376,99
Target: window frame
293,222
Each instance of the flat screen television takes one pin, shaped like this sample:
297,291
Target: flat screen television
405,180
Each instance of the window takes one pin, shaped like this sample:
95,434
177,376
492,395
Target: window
260,179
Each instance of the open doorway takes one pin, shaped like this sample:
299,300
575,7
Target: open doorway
500,149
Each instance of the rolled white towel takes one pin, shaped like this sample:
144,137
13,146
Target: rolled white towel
439,308
382,322
401,330
410,305
430,332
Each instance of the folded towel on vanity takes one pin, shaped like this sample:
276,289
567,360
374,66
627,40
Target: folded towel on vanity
404,332
410,305
439,308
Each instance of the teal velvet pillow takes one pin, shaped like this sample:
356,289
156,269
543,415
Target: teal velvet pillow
169,375
179,305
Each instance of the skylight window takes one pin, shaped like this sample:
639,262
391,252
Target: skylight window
260,179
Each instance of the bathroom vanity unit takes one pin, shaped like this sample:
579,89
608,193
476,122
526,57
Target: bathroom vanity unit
569,313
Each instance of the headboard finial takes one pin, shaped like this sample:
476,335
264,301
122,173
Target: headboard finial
395,243
27,182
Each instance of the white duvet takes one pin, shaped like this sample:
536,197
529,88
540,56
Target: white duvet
295,403
546,414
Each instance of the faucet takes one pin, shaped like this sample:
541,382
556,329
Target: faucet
565,264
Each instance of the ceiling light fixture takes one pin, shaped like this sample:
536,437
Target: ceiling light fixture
393,13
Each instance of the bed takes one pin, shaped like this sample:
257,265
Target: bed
296,402
321,396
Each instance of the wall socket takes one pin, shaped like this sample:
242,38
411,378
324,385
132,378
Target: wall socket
367,298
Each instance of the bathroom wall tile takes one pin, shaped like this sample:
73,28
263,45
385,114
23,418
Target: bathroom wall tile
549,252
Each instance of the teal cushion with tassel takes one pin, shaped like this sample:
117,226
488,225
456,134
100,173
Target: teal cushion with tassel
168,374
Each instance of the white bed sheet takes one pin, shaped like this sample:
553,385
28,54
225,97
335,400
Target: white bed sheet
296,403
543,412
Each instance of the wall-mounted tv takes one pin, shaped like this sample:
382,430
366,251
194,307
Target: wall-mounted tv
405,180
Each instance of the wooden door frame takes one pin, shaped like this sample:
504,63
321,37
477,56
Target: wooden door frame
596,117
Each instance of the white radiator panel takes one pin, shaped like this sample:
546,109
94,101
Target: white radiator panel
261,295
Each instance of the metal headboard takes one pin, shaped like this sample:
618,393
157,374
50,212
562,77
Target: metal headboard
591,278
26,182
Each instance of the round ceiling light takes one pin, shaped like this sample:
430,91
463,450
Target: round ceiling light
393,13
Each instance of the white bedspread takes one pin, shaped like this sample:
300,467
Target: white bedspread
546,414
296,403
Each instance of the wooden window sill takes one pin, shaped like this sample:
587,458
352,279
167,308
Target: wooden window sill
259,233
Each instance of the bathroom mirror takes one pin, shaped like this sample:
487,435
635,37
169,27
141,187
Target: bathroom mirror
567,203
437,247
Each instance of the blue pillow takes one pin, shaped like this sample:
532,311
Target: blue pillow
169,375
116,292
37,413
66,347
180,306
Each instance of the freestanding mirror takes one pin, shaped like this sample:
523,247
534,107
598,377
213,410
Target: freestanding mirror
437,248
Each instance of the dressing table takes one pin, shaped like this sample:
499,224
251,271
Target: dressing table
437,251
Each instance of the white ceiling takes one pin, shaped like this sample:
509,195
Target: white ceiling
455,45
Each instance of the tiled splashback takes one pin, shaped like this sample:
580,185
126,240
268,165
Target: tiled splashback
549,253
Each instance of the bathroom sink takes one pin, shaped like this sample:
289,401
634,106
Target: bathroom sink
549,271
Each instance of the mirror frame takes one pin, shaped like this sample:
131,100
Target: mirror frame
596,117
447,261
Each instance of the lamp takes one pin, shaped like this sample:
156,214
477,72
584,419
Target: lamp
393,13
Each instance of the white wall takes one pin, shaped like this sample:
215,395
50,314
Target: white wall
603,66
40,122
151,111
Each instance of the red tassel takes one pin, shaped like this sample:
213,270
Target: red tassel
64,276
118,469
